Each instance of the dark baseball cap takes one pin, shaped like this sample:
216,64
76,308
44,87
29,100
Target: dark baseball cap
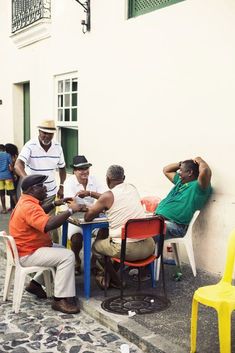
31,180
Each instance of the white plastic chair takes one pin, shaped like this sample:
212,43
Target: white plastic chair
187,241
13,266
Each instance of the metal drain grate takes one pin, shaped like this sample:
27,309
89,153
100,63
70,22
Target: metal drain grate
138,303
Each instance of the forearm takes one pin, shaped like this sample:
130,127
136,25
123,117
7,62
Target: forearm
19,168
204,172
62,174
56,221
90,215
171,168
93,194
104,202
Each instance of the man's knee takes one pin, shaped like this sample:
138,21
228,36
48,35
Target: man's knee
76,239
68,255
103,233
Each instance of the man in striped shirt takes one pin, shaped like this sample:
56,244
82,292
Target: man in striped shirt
43,156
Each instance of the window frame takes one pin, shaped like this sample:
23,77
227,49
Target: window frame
70,107
63,125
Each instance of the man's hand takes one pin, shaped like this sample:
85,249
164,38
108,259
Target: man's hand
83,193
198,160
63,201
76,207
60,192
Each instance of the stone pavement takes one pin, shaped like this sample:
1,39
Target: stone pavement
38,328
167,331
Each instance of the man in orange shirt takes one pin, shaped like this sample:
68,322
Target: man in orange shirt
30,226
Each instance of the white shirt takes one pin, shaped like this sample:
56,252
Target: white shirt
38,161
126,205
72,186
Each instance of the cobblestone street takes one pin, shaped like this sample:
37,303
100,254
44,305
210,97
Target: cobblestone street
38,328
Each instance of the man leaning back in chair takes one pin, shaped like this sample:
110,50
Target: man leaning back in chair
190,193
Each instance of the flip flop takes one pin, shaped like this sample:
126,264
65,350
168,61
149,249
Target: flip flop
4,211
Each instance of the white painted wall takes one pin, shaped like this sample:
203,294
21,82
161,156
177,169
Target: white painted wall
154,89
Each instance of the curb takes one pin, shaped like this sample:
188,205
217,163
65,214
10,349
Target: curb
145,339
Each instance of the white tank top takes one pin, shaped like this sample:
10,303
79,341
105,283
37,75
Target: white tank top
126,205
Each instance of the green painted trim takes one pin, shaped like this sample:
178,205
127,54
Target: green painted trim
69,142
132,12
26,104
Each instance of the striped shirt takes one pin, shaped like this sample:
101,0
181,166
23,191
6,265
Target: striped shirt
38,161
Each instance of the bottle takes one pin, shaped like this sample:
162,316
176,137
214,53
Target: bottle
169,256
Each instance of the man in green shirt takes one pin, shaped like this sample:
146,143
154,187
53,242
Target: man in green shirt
190,193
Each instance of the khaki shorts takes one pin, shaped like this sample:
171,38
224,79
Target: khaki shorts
138,250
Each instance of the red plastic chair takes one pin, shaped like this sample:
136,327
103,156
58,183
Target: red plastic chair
142,228
150,203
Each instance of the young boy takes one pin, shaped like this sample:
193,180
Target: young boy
6,181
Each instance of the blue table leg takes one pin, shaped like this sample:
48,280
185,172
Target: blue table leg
87,233
64,233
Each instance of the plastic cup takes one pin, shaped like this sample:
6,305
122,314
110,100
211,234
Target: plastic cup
125,348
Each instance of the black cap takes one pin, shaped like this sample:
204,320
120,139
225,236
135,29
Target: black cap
80,162
31,180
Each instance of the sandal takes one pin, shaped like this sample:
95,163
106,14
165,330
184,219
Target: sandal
101,282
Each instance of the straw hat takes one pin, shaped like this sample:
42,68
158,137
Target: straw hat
47,126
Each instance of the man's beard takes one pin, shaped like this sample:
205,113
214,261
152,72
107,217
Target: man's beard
45,143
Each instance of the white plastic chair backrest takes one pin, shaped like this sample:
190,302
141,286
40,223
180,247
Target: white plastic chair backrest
11,249
190,227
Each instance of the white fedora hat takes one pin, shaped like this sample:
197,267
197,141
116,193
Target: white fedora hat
47,126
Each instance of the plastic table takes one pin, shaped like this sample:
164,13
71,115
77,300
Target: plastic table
87,227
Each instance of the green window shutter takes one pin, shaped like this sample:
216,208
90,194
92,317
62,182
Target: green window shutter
69,143
26,105
140,7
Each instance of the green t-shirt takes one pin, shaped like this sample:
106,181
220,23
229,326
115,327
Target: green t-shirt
183,200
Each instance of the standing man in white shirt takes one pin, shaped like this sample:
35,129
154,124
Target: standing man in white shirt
43,155
86,189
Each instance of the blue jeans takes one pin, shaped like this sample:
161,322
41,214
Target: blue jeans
175,230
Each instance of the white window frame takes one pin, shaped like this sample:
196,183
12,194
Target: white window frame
63,77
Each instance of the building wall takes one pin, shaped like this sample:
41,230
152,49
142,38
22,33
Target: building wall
154,89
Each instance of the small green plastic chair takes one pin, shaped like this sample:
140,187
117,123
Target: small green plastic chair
221,297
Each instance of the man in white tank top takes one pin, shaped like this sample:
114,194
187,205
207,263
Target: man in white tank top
121,203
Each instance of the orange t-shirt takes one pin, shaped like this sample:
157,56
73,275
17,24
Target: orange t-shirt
27,224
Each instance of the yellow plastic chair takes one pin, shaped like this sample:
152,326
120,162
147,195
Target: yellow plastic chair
221,297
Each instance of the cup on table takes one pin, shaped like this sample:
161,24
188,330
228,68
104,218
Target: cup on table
79,200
